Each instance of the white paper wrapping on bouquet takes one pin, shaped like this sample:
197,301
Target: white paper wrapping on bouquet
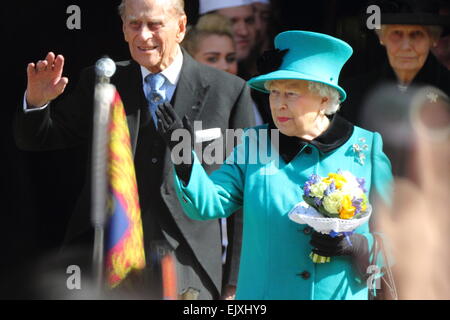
305,214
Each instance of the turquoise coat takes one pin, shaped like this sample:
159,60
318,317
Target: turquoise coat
275,250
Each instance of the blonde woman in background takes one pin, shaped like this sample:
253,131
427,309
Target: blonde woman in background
211,42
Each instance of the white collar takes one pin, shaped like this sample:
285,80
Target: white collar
172,72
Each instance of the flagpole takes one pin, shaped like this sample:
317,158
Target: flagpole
103,97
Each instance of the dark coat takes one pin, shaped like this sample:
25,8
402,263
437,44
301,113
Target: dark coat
203,93
359,88
359,106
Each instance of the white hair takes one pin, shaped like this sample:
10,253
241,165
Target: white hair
178,5
322,90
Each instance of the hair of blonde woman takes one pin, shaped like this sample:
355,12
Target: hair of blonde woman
209,24
178,5
321,90
434,32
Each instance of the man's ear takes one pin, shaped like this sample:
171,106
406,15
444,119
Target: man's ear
182,22
123,30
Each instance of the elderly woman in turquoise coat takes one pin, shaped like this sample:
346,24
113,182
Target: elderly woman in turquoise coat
306,136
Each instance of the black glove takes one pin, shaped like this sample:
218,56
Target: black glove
328,246
168,122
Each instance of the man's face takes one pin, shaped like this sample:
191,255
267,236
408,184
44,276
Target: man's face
262,14
153,30
244,30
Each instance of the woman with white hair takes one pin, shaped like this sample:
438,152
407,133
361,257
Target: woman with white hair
301,77
409,30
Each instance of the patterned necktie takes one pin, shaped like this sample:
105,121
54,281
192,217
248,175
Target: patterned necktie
154,93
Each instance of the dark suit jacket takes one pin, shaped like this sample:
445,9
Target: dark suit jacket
203,93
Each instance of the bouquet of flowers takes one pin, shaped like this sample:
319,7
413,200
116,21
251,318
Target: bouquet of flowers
334,205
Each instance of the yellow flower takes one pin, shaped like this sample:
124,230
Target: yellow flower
347,209
364,207
339,180
364,203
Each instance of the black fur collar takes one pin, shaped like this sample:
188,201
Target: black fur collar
339,131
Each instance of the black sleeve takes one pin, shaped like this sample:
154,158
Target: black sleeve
64,123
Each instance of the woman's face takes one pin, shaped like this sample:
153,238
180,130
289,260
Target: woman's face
294,107
407,46
218,52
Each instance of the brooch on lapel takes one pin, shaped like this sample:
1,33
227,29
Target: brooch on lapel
432,97
359,150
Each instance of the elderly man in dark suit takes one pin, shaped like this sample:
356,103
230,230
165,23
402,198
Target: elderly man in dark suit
153,30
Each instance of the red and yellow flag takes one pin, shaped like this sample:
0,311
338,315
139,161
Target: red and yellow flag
124,243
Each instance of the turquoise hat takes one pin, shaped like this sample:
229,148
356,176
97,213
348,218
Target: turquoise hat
311,56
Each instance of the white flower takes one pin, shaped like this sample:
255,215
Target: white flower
332,202
318,189
352,187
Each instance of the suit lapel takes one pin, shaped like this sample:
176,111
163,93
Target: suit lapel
188,99
191,89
